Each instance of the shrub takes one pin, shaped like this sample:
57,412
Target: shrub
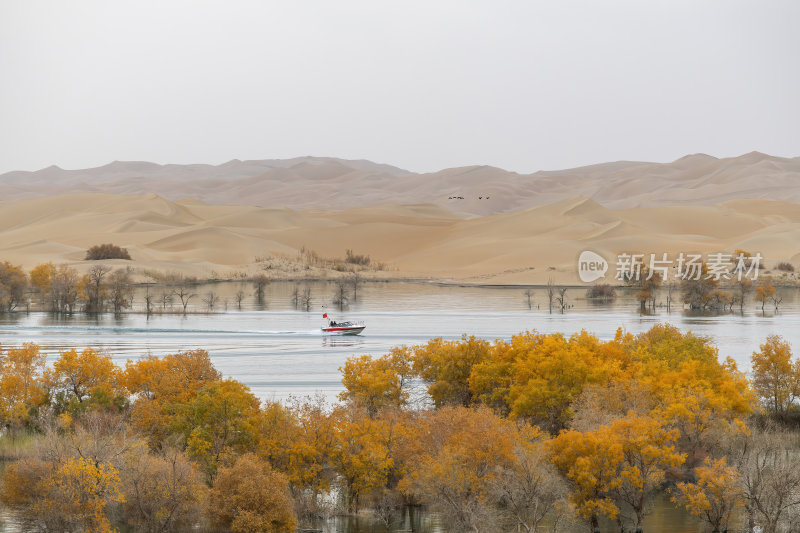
106,251
786,267
356,259
601,290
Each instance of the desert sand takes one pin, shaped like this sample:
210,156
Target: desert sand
526,246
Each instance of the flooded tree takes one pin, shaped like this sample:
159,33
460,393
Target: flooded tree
698,288
166,299
296,296
528,296
57,288
94,288
210,300
13,283
260,283
148,301
120,290
743,287
765,293
355,283
551,293
561,298
239,298
185,296
305,298
340,295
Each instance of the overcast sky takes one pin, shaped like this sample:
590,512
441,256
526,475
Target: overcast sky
422,85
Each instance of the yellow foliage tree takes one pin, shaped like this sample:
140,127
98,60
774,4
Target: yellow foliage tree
83,490
71,495
13,282
446,367
218,424
249,497
79,380
361,453
160,385
591,463
374,383
776,378
714,496
764,292
458,463
21,388
648,452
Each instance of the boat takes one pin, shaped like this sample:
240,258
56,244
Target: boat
345,327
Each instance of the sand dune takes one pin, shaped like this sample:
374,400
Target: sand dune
525,246
337,184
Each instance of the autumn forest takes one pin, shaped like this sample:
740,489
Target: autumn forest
529,434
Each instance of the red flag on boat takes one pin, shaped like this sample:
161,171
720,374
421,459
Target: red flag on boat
324,315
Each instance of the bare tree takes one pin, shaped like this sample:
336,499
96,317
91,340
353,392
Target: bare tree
148,300
185,295
776,300
670,286
340,296
355,283
96,288
260,282
239,298
529,489
296,296
551,293
305,299
743,287
528,295
166,299
210,300
770,477
120,290
562,298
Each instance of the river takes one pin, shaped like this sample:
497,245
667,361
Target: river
279,351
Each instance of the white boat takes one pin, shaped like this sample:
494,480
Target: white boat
345,327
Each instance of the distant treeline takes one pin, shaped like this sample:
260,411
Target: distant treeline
510,435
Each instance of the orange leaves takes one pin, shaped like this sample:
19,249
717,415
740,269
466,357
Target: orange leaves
13,282
21,389
764,292
250,497
776,377
623,461
377,383
70,495
79,379
83,490
714,495
537,376
361,452
161,384
591,462
220,421
455,468
446,367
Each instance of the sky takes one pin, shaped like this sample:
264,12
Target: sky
423,85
